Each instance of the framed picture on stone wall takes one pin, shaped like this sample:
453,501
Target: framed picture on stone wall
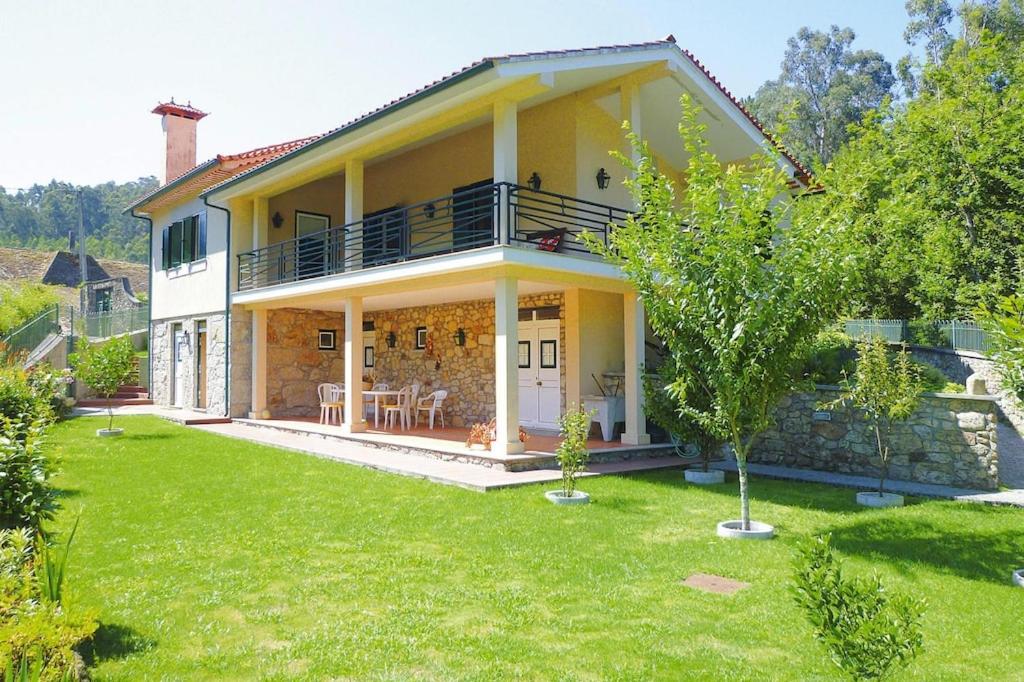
327,339
421,338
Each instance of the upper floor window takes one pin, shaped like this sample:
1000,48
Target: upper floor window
184,241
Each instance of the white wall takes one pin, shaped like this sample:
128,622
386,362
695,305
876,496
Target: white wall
191,288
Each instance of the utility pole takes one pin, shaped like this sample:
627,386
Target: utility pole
83,264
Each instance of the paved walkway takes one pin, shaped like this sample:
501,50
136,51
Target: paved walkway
1008,497
472,476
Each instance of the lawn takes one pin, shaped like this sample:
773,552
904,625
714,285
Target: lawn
208,558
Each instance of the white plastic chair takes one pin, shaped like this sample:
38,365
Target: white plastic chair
331,403
399,411
433,403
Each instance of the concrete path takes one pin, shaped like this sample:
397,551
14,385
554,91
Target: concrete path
1008,497
471,476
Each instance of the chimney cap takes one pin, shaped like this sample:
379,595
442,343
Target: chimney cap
183,110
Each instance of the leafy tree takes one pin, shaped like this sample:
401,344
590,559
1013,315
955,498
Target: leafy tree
825,85
104,367
869,631
1004,323
936,188
665,406
736,278
572,452
885,392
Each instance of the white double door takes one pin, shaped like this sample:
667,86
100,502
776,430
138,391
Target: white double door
540,384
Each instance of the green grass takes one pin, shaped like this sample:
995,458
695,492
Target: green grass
212,558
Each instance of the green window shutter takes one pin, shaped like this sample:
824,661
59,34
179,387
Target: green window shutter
175,244
201,235
165,253
188,241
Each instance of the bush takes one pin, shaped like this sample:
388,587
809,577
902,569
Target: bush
927,333
36,633
572,452
663,405
21,302
106,366
867,630
50,385
829,357
26,498
19,398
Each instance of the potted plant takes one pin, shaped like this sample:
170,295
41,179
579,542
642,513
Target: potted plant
885,391
105,367
572,456
482,435
663,408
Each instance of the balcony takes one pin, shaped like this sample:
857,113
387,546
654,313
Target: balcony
458,222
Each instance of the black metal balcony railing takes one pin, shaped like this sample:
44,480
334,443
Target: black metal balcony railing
465,220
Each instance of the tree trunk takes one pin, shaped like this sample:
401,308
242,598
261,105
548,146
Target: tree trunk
744,496
110,413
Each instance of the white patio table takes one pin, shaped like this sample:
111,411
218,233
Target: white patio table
376,403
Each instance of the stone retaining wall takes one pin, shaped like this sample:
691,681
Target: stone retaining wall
950,440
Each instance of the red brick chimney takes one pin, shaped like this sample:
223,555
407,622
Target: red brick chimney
179,124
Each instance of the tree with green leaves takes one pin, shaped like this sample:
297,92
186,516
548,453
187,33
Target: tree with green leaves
1004,324
869,631
736,277
104,367
825,85
885,391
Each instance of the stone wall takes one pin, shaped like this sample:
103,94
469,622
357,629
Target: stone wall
241,362
958,365
295,366
161,361
950,440
121,295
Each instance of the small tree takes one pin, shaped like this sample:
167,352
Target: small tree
885,391
665,407
104,367
868,631
1005,328
572,452
736,278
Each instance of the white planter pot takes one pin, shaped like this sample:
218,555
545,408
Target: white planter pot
109,433
734,529
873,499
1018,577
578,497
709,477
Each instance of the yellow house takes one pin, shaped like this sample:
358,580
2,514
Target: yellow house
432,241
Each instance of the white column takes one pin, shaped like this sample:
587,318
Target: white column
354,213
636,420
258,384
505,158
260,210
354,421
506,366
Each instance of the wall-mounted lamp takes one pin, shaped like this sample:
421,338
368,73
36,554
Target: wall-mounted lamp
277,220
602,179
534,181
429,210
460,337
391,339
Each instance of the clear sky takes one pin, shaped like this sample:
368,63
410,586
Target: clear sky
80,77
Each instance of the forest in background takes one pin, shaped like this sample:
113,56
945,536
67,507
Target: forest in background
41,216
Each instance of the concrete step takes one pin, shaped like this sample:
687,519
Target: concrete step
131,388
130,395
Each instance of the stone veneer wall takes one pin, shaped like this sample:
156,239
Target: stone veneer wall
295,366
950,440
216,369
958,365
241,361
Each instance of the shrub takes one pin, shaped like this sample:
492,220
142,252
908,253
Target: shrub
867,630
884,391
19,303
26,498
927,333
664,407
19,399
37,634
829,357
572,452
50,385
1005,328
104,367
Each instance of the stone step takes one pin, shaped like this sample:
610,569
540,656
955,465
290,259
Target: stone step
115,402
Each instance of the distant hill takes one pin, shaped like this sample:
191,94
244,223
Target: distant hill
42,217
